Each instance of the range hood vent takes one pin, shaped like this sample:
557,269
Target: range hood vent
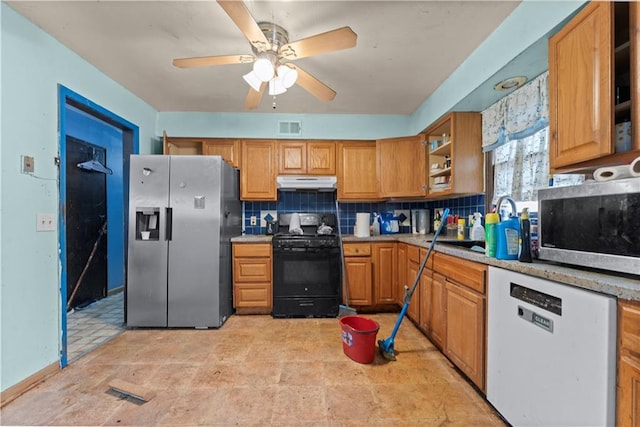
308,183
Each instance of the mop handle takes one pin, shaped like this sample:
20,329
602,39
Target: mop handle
409,294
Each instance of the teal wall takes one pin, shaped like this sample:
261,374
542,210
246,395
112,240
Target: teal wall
33,64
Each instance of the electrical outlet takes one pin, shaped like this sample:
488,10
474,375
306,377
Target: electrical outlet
45,222
28,164
254,220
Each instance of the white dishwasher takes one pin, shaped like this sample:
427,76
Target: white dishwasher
551,352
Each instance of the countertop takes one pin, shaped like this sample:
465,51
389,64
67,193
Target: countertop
623,286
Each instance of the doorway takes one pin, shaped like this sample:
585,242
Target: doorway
90,199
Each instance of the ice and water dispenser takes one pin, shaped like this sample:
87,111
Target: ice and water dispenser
147,223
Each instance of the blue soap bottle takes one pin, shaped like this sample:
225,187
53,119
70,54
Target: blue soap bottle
508,238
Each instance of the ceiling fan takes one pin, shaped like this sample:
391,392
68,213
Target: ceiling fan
272,54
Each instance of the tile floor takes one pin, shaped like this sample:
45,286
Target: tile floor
94,325
256,371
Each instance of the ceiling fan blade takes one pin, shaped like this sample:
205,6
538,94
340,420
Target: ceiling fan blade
207,61
254,97
342,38
314,86
239,13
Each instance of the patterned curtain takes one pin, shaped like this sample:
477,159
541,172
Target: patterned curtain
518,115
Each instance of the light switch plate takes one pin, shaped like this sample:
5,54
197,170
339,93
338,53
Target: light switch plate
45,222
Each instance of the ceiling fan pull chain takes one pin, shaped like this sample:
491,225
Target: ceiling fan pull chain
274,102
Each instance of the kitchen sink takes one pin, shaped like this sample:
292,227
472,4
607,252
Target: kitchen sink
462,243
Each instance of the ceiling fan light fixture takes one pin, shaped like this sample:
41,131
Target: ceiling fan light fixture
254,81
288,75
263,67
276,86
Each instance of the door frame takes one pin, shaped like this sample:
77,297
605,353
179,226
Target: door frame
130,138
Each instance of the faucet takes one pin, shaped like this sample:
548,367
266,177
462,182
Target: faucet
513,206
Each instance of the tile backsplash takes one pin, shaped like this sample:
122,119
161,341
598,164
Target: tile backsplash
311,201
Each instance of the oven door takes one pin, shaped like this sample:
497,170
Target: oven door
306,282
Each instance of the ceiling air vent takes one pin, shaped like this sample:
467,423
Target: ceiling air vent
289,128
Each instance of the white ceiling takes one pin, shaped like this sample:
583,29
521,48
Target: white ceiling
405,49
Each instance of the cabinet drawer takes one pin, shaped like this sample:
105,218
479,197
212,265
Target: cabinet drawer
357,249
251,269
423,253
413,253
252,295
252,250
470,274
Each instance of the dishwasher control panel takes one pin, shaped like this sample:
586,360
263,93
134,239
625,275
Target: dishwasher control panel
537,298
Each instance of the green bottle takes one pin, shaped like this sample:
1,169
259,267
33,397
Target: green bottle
491,238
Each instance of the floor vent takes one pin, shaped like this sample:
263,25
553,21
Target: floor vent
289,128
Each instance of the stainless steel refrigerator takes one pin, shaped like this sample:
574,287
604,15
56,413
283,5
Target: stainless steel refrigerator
183,211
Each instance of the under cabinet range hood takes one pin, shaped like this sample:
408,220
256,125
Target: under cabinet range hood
308,183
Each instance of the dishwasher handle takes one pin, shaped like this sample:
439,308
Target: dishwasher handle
533,317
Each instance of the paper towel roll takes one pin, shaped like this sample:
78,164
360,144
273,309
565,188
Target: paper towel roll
610,173
362,224
634,167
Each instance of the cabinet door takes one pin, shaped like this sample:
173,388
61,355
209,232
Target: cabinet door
384,272
413,312
252,295
292,157
628,398
359,280
228,149
438,311
628,384
321,158
402,166
425,300
401,280
258,171
357,178
465,331
580,67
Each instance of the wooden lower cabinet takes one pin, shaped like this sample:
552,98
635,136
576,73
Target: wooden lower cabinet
252,278
465,331
401,270
384,272
426,283
628,384
358,266
413,312
438,315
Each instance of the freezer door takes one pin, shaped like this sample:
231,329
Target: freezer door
147,260
194,248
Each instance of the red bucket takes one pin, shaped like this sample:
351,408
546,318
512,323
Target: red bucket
359,338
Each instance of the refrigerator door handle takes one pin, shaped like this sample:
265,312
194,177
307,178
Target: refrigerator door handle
169,226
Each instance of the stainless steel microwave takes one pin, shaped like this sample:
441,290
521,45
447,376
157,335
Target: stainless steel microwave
596,224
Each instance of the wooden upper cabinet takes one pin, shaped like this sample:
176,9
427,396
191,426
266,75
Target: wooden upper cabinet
402,166
594,62
321,158
228,149
181,146
292,157
581,87
306,158
258,170
357,179
455,160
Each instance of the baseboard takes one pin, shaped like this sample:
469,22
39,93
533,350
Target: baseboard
28,383
115,291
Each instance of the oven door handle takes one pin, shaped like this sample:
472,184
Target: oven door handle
304,250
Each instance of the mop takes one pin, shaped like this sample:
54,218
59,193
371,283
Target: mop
386,345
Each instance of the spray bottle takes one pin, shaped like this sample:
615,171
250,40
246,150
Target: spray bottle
477,230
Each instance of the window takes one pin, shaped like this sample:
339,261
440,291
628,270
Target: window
515,133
